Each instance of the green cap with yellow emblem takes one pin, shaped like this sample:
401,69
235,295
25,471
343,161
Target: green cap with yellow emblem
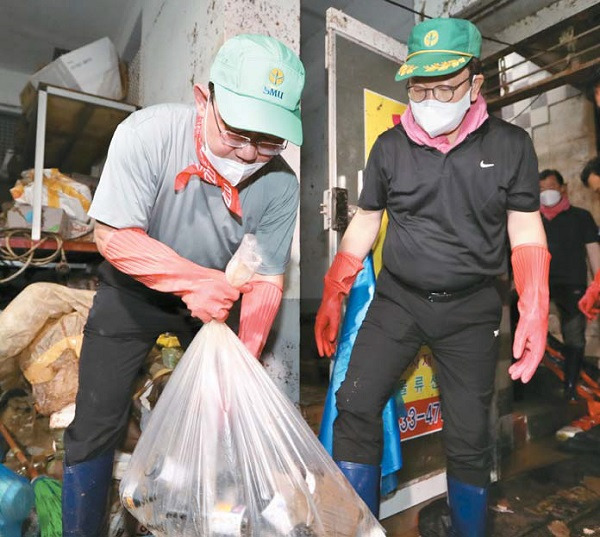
258,82
439,47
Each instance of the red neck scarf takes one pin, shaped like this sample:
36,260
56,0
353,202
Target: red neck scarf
552,212
205,171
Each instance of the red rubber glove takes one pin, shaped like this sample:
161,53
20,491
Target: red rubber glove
531,265
259,309
588,304
206,292
338,282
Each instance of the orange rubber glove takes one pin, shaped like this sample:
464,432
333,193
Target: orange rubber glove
589,303
337,284
531,265
259,309
205,291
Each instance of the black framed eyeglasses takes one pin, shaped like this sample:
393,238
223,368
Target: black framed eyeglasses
442,93
234,139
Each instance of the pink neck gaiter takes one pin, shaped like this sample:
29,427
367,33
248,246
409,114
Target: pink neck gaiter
552,212
473,119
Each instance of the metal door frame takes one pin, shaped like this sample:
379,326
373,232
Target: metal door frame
340,24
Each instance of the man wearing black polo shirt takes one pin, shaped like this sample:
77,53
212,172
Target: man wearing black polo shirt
572,236
454,181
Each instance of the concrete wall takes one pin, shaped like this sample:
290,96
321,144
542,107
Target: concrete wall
127,40
194,31
384,17
561,125
282,354
11,84
564,138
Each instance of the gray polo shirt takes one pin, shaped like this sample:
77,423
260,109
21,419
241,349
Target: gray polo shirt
136,189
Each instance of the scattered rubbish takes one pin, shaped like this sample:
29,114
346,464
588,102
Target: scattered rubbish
559,529
568,431
502,507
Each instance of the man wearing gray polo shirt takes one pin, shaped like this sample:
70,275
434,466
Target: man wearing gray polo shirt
180,188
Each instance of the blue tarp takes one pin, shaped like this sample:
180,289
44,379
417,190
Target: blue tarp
359,299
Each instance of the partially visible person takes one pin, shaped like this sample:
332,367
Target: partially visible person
590,303
593,94
572,238
590,175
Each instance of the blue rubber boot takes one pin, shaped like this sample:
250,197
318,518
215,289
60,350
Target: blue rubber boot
468,509
85,497
366,481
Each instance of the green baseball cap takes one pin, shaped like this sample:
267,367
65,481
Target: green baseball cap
439,47
258,82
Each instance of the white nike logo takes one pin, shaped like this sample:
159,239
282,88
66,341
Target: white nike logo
496,332
485,164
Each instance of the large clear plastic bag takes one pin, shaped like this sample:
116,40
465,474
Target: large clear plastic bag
226,454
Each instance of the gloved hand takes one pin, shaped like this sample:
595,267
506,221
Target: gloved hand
211,296
205,291
259,309
337,284
589,304
531,265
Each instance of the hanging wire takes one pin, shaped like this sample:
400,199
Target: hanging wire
526,108
574,38
422,14
567,59
408,9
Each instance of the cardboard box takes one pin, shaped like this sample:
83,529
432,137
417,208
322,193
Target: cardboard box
93,68
54,220
27,97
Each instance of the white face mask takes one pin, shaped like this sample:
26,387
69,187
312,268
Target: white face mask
437,118
235,172
549,198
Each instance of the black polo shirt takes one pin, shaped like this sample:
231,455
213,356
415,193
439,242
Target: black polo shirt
447,212
567,235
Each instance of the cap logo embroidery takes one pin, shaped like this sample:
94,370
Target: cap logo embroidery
431,38
276,76
444,66
407,69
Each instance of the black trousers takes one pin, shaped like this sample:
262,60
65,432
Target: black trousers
463,336
124,322
572,321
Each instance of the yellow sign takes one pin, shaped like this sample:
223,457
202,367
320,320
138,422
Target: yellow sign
418,384
381,114
419,380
